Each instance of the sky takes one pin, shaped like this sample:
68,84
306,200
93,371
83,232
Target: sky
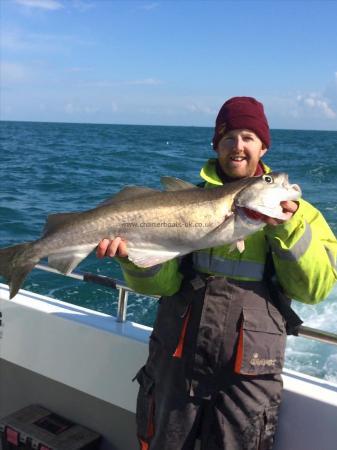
168,62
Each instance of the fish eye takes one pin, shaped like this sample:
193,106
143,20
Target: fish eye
268,179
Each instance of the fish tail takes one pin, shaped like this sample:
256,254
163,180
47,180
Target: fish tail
15,264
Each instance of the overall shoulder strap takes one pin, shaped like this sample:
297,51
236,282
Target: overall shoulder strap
280,299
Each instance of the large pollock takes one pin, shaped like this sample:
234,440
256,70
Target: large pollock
157,225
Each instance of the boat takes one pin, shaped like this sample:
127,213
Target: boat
80,363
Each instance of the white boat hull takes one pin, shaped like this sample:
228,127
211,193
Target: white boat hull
80,364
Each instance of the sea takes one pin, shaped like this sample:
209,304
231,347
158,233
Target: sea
60,167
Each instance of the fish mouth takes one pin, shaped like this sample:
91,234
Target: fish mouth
252,215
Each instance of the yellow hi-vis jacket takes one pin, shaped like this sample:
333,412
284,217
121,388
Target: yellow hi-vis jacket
304,251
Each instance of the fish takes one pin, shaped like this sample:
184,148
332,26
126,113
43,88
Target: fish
157,225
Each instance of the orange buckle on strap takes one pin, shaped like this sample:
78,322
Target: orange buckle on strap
143,445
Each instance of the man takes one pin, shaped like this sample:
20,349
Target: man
217,347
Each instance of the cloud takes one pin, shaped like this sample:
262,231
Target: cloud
149,6
78,69
144,82
305,109
89,110
72,108
82,5
13,72
13,40
50,5
198,108
17,40
330,91
110,84
322,103
316,104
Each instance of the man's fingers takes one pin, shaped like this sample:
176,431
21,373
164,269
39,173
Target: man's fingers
111,248
289,206
122,250
102,248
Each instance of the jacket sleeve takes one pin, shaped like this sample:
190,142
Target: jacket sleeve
163,279
304,251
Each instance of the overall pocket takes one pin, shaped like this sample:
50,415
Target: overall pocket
261,343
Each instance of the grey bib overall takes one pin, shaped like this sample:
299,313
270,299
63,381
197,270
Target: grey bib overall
213,372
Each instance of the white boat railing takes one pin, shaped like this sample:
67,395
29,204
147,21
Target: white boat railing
123,292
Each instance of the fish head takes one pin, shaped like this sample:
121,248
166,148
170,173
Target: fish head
263,196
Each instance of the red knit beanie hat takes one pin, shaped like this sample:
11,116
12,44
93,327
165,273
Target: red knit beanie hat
241,112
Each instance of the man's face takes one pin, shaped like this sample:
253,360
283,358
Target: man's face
239,152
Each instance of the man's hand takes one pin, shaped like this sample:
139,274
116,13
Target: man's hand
111,248
289,208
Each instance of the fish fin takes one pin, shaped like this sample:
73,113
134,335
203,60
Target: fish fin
128,193
145,257
175,184
239,244
227,217
67,260
55,221
15,265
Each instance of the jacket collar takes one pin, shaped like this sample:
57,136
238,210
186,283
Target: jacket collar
209,172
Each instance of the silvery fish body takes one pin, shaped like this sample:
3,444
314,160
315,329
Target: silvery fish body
157,225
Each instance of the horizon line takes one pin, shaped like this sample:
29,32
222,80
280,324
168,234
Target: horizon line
151,125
